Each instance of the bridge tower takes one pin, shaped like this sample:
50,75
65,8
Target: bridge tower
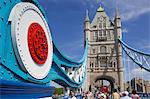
104,51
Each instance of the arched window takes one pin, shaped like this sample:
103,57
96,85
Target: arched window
104,32
103,63
94,51
100,33
111,64
94,35
104,22
91,64
114,64
103,49
100,25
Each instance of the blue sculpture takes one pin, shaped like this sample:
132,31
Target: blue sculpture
29,59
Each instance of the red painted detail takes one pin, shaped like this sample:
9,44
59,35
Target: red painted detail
37,43
104,89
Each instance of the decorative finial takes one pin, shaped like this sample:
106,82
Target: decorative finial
100,9
100,5
87,16
117,15
87,12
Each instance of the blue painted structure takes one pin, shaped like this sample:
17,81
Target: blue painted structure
14,80
140,58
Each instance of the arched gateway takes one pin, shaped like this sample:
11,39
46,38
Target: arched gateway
105,53
110,79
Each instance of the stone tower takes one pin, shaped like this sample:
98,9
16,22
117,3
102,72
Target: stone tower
105,52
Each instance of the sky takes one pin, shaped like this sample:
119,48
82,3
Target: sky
66,18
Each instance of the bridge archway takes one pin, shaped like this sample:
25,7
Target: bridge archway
104,78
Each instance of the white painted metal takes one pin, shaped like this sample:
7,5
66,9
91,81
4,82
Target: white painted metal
21,17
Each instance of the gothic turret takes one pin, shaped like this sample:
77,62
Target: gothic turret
118,34
87,27
117,22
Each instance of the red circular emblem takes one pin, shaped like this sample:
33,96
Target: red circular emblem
37,43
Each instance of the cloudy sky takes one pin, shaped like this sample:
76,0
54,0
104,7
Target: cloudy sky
66,17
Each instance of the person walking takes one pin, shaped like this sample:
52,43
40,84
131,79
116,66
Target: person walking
73,95
124,95
102,96
115,95
135,95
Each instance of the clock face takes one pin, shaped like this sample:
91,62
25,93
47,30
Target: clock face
32,40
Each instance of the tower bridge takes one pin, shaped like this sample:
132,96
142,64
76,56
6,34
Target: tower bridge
105,52
30,59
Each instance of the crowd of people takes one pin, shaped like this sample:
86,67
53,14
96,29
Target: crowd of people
104,95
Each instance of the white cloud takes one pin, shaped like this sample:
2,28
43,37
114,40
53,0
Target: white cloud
133,9
138,72
129,9
71,48
124,30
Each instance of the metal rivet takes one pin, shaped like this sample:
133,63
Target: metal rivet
2,18
4,61
11,52
4,2
2,72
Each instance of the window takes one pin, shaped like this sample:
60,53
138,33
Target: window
91,65
114,64
103,49
100,25
100,33
103,63
94,26
96,65
104,32
98,19
94,35
111,64
108,33
104,22
93,50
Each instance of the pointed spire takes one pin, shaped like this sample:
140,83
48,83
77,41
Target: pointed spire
117,14
100,9
87,16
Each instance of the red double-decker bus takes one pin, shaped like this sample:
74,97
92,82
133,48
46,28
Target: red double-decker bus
104,89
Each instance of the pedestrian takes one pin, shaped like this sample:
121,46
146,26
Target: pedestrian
73,95
135,95
124,95
89,95
102,96
115,95
83,95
